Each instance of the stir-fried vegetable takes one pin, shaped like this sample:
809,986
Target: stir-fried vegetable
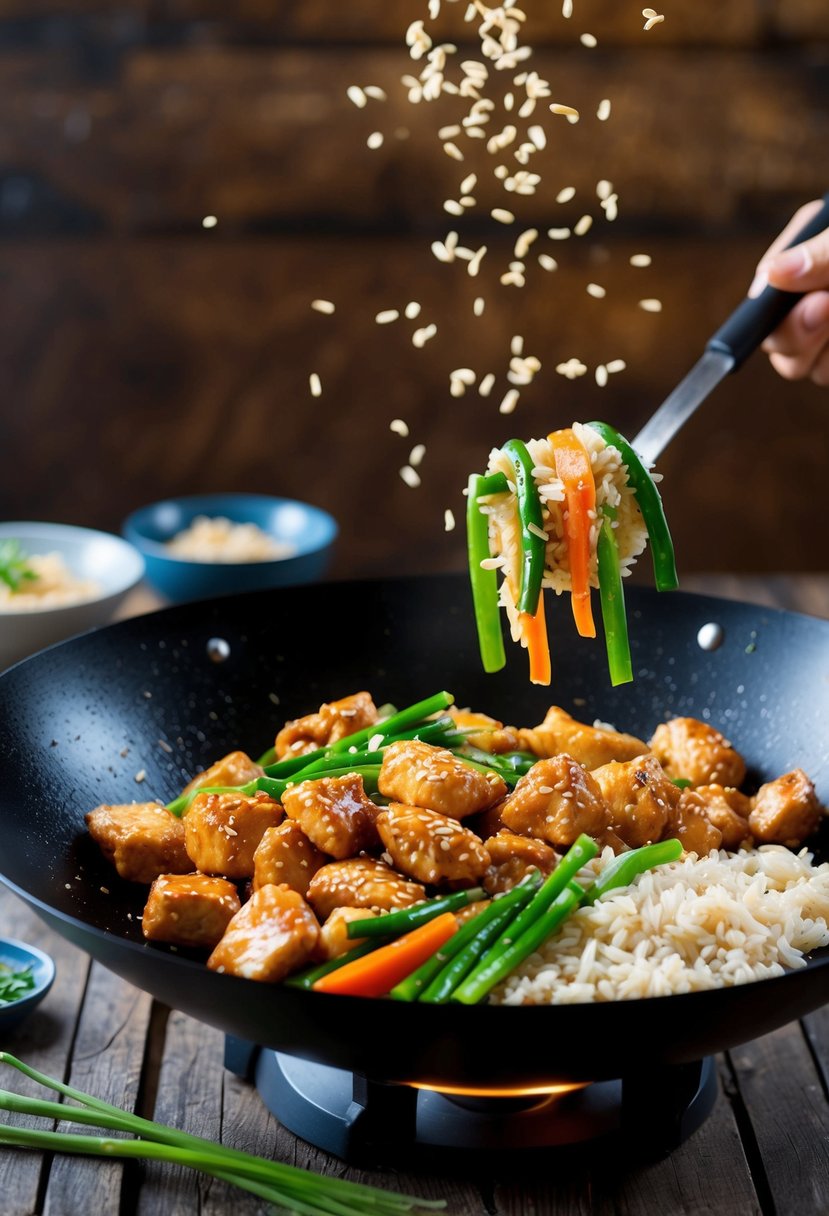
15,984
14,564
377,973
612,595
627,866
287,1186
573,467
392,923
484,582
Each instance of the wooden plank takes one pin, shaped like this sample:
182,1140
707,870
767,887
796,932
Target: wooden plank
106,1061
185,366
740,22
776,1077
44,1041
816,1030
266,139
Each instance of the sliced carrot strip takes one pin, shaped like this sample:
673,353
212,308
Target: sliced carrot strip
535,632
573,467
377,973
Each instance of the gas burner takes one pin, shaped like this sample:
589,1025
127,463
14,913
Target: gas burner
370,1122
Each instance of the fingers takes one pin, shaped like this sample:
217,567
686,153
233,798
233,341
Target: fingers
769,260
799,347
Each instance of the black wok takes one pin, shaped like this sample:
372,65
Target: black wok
80,720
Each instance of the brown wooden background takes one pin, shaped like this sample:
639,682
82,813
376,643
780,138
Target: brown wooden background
141,355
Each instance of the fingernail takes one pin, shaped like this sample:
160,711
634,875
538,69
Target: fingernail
793,263
759,283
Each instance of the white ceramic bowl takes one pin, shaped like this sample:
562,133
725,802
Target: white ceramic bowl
107,559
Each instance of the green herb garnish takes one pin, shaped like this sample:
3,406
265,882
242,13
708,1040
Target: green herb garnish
14,564
14,984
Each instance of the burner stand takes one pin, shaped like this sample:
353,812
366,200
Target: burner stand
372,1123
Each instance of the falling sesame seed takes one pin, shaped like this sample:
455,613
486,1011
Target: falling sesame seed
567,111
453,150
209,221
453,207
375,92
356,95
449,132
448,520
558,234
500,171
589,40
564,195
522,245
601,375
315,385
538,137
596,291
478,305
375,140
616,365
399,427
421,336
502,215
509,402
475,262
412,310
416,455
140,776
546,262
517,345
485,387
567,9
603,112
650,305
468,184
387,316
323,306
641,260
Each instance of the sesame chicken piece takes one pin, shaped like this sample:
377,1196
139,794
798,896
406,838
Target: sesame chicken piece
417,774
236,768
285,856
431,847
273,934
333,721
696,751
488,734
487,823
189,909
222,831
333,940
335,813
591,746
689,823
141,839
556,801
728,810
640,797
361,882
786,811
512,858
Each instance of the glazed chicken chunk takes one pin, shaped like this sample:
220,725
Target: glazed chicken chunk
335,813
141,839
728,810
696,751
189,909
286,856
332,722
689,823
591,746
273,934
236,768
334,939
512,858
222,831
486,733
786,811
556,801
430,847
361,882
640,797
417,774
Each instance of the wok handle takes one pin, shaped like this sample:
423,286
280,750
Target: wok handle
754,319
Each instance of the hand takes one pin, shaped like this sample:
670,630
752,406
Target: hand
799,347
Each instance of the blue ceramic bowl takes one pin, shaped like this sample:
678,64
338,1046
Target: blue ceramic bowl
106,559
17,956
308,529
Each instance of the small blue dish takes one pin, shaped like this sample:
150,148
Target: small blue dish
309,530
17,956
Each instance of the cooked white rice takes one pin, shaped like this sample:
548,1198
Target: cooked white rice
611,487
696,924
54,586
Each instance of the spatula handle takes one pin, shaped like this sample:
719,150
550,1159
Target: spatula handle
753,321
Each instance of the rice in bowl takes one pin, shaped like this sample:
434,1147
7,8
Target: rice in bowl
700,923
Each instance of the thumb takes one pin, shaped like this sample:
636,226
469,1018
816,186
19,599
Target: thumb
804,267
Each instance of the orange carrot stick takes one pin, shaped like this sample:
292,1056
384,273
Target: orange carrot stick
573,467
377,973
535,633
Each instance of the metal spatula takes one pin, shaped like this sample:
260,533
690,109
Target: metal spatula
748,326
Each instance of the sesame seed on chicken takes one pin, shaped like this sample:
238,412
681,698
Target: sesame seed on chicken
591,746
556,801
361,882
335,813
697,752
432,848
332,722
417,774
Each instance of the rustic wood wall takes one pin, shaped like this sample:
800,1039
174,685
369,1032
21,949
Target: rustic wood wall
141,355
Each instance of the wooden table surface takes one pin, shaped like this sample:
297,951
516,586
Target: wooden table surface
764,1149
